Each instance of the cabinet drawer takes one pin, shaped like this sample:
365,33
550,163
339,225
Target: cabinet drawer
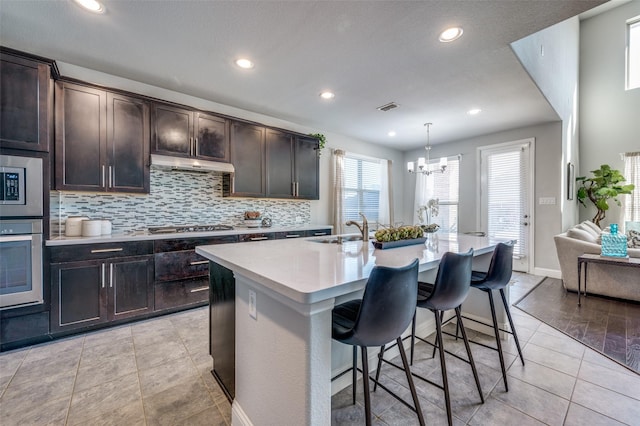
290,234
257,237
99,251
177,265
180,244
318,232
181,293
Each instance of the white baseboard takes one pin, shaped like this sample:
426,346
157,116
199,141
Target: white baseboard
552,273
238,416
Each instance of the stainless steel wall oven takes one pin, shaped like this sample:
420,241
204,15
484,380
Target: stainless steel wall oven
20,186
20,262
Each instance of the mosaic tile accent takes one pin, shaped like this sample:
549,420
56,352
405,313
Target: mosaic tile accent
176,198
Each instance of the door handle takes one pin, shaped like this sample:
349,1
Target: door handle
110,177
525,223
259,238
111,275
199,262
103,275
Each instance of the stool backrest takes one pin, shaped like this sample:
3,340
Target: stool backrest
501,266
452,282
388,304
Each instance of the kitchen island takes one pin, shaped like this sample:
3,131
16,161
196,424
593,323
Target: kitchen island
284,293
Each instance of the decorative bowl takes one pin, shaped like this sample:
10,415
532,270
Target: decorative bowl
253,223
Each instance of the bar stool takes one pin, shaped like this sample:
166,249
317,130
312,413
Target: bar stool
448,292
382,315
497,278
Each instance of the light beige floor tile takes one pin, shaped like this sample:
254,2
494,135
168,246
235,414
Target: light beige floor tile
495,412
581,416
178,403
535,402
102,370
599,359
103,399
117,348
152,355
619,382
46,413
23,396
610,403
161,377
544,378
64,348
108,336
130,415
56,364
552,359
155,337
209,417
562,344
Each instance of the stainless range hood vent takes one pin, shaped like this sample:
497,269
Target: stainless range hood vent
190,164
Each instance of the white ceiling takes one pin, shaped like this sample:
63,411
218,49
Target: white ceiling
368,52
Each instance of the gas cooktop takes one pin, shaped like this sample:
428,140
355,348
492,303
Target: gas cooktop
188,228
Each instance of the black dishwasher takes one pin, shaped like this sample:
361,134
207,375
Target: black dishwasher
222,325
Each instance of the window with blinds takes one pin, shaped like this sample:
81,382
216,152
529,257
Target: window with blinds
506,186
444,187
632,175
361,193
633,53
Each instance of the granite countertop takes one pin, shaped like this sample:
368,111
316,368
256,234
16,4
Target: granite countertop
146,236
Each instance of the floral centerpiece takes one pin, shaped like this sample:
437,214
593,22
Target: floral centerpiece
432,208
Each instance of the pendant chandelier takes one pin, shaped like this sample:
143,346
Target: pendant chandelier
424,165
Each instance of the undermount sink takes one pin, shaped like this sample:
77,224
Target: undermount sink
338,239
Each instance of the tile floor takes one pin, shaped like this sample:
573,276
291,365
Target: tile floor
157,372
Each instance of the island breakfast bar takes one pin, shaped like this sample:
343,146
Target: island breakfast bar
284,293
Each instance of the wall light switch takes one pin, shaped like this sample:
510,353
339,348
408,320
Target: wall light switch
547,200
252,305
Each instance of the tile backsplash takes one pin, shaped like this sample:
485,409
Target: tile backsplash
176,198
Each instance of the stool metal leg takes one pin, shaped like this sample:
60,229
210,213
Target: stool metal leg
443,366
380,355
513,328
468,348
412,387
413,335
433,354
496,331
354,374
365,383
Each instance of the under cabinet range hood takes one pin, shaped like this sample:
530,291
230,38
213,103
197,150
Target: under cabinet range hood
190,164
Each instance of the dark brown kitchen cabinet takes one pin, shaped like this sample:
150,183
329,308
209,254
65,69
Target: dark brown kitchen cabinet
26,99
93,284
181,275
279,164
101,140
307,168
187,133
247,156
91,292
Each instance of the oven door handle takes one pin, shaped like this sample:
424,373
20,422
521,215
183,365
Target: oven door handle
6,238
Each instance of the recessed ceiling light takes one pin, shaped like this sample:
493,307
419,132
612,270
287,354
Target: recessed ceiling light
474,111
244,63
391,134
450,34
327,95
91,5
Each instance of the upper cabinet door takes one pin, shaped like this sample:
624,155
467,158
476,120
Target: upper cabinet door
307,168
127,144
211,138
80,138
247,156
279,164
171,130
25,102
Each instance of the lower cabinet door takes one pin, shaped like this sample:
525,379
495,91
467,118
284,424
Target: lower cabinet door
181,294
130,287
79,295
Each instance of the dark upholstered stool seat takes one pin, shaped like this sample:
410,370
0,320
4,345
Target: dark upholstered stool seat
381,316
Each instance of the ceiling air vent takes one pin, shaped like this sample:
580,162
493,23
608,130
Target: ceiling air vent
387,107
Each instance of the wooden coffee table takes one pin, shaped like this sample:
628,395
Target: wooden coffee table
585,259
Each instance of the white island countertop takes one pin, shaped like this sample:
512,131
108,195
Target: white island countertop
309,271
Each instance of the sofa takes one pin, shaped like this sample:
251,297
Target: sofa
608,280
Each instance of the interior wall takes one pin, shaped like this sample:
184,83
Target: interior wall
609,114
548,183
551,57
320,209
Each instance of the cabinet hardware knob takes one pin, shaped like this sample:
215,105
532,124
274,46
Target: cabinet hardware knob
103,275
110,177
103,178
317,234
195,290
111,275
259,238
292,236
199,262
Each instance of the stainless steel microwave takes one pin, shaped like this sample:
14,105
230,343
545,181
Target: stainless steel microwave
20,186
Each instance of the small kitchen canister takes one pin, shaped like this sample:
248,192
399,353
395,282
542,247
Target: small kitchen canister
91,227
73,226
105,227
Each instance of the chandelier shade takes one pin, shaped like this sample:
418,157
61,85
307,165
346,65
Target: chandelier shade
424,164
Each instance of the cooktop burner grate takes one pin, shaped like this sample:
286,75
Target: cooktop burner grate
188,228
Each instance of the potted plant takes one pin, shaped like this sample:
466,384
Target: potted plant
606,184
321,141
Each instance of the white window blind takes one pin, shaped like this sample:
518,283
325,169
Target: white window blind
506,205
633,53
632,175
444,187
361,192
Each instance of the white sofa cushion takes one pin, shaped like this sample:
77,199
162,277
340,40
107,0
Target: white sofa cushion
587,228
592,226
581,235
